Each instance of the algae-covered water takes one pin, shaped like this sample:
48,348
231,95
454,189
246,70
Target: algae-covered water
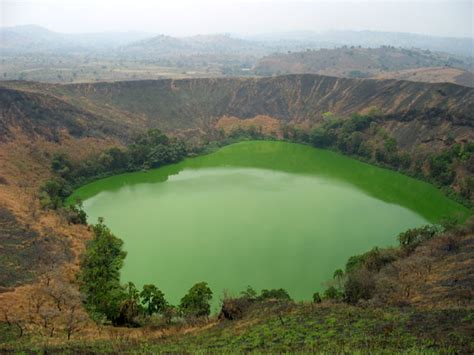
265,214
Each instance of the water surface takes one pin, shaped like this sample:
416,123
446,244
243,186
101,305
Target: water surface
265,214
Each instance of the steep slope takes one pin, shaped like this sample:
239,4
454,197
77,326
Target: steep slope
38,120
190,103
36,113
199,104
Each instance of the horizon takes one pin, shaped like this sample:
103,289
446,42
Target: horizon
232,34
183,18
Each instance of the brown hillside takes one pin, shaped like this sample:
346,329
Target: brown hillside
199,103
384,62
37,120
432,75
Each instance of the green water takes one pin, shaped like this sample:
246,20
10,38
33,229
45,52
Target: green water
265,214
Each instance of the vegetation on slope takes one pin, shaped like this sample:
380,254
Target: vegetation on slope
355,62
363,136
149,150
25,251
427,122
53,311
373,305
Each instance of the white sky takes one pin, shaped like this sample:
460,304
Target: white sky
186,17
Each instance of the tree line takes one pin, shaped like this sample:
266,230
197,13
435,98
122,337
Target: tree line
363,137
149,150
360,280
360,135
107,300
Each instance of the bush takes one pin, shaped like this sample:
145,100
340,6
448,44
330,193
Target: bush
53,193
74,214
249,293
317,297
196,303
235,308
153,299
410,239
372,260
278,294
129,308
332,293
360,284
322,138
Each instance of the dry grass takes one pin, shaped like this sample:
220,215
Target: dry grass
267,124
431,75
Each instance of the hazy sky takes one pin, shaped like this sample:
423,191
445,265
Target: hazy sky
185,17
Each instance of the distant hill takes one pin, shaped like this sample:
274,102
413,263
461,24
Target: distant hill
28,38
331,39
215,47
432,75
38,54
37,39
33,38
357,62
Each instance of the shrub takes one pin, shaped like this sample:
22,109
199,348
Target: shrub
196,303
410,239
53,192
360,284
377,258
129,308
373,260
235,308
278,294
332,293
61,165
322,138
153,299
249,293
74,214
316,297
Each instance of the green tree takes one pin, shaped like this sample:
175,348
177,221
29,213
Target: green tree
61,165
279,294
338,276
249,293
332,293
411,238
196,303
153,299
317,297
129,308
100,273
53,192
322,138
359,285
